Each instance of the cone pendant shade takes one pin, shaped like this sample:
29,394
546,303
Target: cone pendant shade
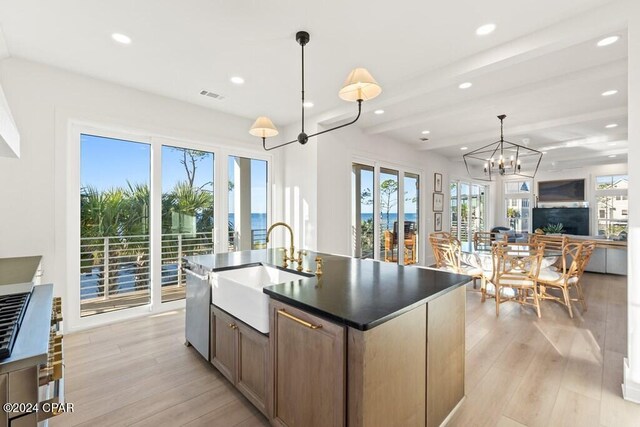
263,127
360,85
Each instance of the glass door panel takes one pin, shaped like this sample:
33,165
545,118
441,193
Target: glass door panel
247,222
114,224
388,215
454,221
411,218
465,196
362,223
187,213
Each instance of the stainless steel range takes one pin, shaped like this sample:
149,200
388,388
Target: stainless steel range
12,309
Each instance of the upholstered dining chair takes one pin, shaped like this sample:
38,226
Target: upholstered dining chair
516,267
575,258
446,251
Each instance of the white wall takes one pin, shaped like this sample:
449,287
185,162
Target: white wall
336,152
45,101
9,135
631,386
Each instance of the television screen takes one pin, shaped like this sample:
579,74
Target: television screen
566,190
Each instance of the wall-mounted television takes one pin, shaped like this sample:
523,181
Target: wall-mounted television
566,190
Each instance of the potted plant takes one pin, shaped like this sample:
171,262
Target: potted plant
554,228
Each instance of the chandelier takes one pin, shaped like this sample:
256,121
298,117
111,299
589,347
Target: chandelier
502,158
359,86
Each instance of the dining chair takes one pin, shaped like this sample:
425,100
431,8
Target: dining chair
516,267
389,253
486,238
551,242
447,253
575,258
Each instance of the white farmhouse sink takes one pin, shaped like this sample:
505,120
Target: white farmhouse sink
239,292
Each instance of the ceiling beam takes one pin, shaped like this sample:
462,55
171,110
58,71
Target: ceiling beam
564,34
489,136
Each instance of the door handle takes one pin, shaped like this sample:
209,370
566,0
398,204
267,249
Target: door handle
281,312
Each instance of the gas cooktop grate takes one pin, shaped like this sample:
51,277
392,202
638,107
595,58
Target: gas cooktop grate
12,309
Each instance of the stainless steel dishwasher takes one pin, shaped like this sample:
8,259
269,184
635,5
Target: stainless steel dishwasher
198,309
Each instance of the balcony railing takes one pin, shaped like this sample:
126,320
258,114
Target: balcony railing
115,271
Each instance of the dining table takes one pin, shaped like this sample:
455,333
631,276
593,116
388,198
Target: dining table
480,255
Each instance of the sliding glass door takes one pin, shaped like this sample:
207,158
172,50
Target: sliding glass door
380,197
187,213
145,204
468,209
114,224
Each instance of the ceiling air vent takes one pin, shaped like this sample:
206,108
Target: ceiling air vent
212,95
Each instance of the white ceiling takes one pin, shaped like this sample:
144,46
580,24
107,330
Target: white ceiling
540,67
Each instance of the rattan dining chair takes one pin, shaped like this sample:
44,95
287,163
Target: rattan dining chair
447,253
487,238
575,258
551,242
516,267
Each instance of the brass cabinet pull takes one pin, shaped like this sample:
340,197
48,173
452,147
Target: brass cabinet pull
295,319
233,326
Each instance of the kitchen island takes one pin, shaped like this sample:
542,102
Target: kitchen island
365,343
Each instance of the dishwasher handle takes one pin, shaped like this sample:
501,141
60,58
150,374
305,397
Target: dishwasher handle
196,275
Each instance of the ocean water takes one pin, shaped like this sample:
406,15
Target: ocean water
393,217
258,220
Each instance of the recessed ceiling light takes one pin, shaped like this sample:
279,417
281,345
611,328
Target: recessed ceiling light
121,38
611,125
486,29
307,104
237,80
612,144
378,112
465,85
608,40
612,156
464,148
609,92
426,132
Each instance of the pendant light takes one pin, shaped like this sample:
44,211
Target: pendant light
358,87
502,158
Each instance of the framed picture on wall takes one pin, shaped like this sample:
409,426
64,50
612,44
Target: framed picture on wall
437,182
437,221
438,202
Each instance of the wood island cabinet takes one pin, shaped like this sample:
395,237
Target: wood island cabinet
308,360
241,354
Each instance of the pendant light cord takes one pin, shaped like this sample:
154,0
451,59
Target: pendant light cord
302,87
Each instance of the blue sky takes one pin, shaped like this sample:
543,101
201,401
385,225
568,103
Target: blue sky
108,162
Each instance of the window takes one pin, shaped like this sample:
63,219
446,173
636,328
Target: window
518,205
114,224
613,204
376,210
187,213
247,223
468,209
363,207
137,222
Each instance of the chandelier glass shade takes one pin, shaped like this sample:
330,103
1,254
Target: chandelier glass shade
360,86
502,158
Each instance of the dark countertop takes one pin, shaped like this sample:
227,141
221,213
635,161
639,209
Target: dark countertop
359,293
18,270
32,342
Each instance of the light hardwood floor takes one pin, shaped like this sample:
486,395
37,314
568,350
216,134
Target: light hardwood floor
520,370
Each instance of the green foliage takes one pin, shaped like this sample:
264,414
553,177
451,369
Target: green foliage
553,228
388,188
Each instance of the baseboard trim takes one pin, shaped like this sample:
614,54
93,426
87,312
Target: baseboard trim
630,389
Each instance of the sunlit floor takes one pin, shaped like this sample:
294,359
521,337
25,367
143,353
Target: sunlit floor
520,370
553,371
